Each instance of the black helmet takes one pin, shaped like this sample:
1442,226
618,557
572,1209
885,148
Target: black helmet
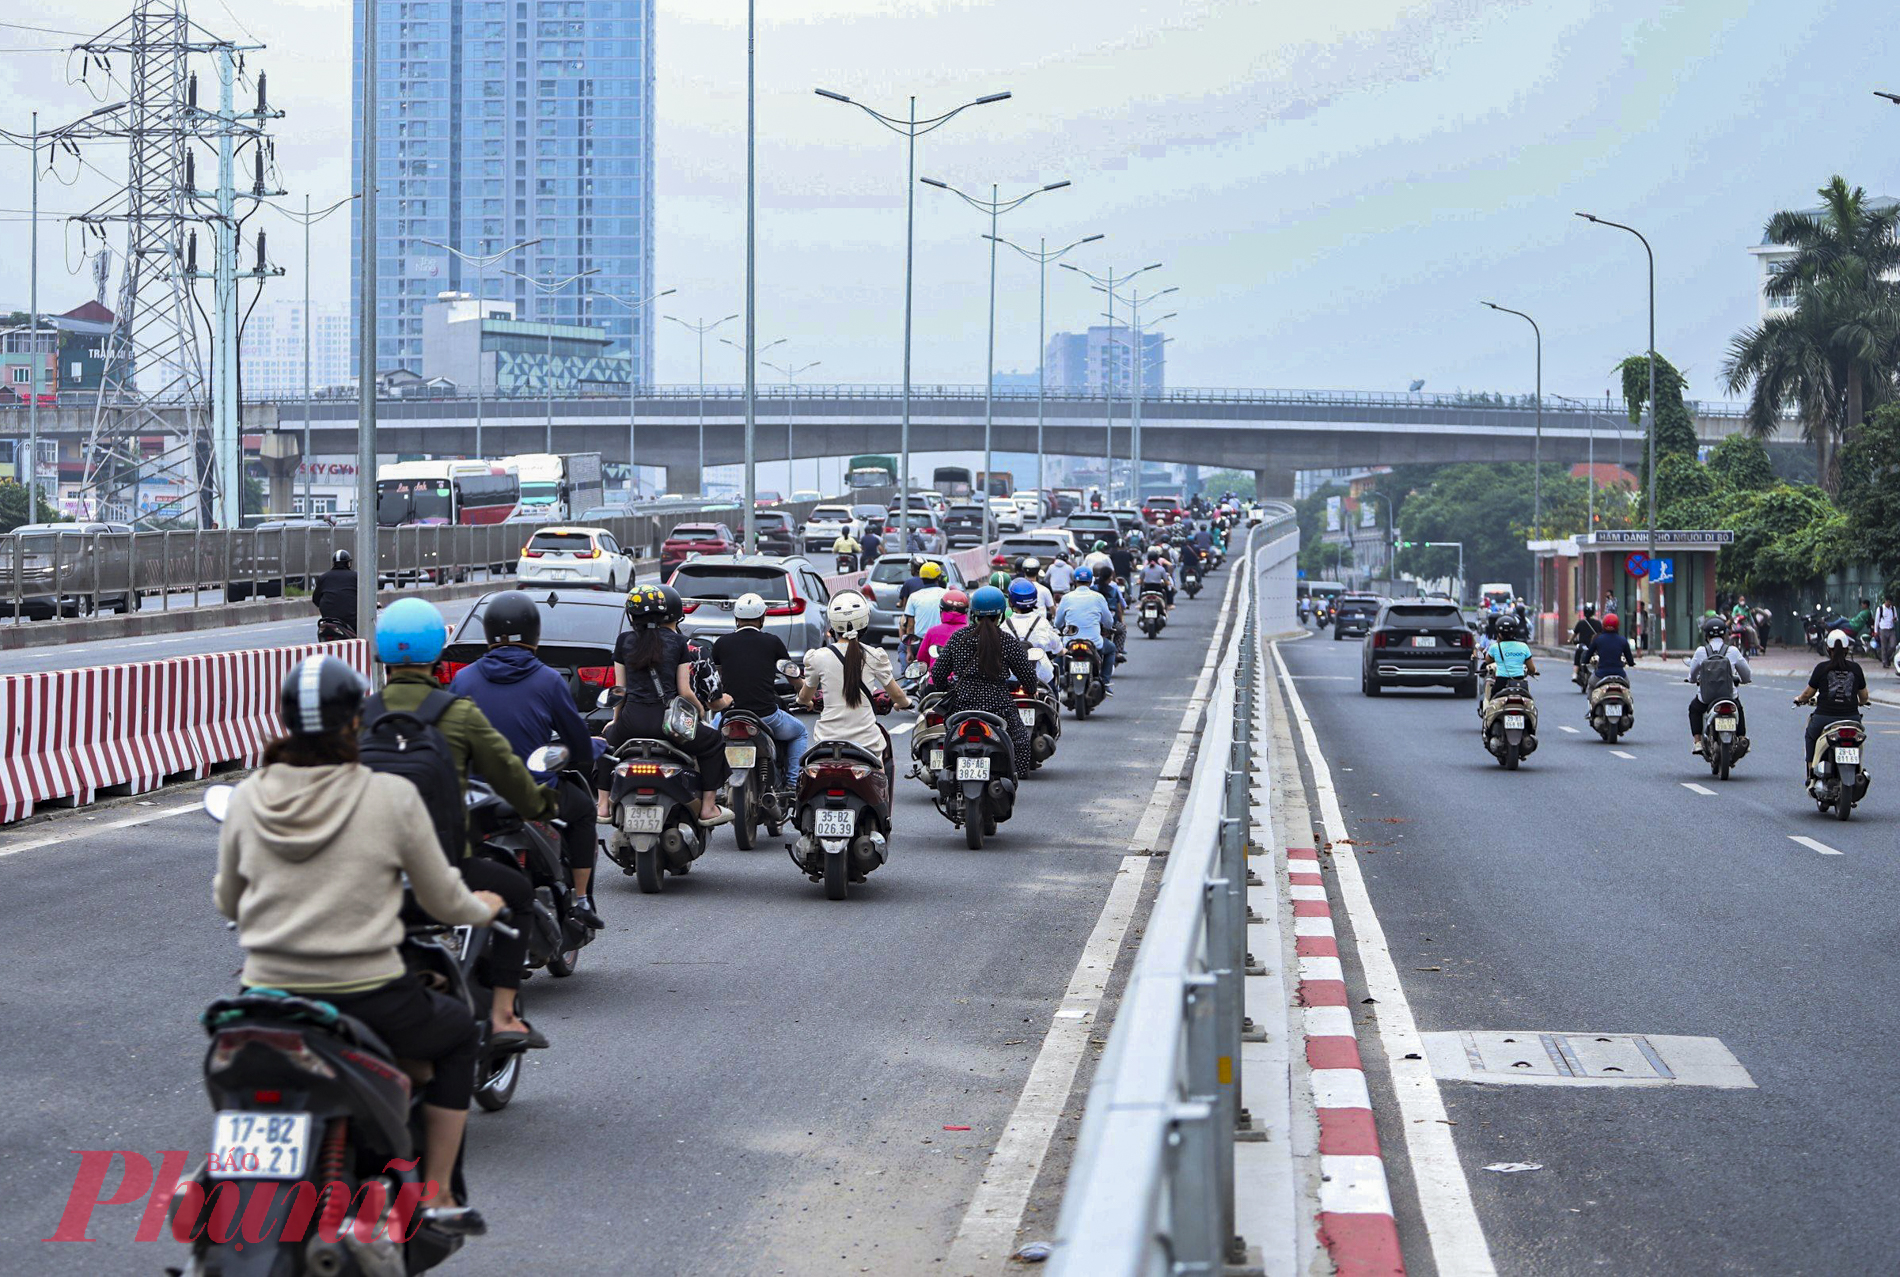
340,559
511,617
1589,609
1714,627
675,609
1511,627
320,695
646,605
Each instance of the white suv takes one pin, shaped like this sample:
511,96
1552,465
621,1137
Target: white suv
575,558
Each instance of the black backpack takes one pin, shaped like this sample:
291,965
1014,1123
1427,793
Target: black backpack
408,743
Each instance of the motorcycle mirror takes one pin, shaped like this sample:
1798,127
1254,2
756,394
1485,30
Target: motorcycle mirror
549,758
606,699
217,801
791,669
916,669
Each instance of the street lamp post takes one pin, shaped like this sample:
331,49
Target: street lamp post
911,128
700,329
481,263
791,373
1537,466
548,288
1107,284
1042,257
633,376
1135,301
751,483
995,206
1650,405
38,365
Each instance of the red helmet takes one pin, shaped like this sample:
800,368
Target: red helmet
999,561
954,601
1610,622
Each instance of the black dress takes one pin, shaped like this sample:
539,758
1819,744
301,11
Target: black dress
649,690
971,690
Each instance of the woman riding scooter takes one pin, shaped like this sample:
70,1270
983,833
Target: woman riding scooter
982,658
846,673
651,667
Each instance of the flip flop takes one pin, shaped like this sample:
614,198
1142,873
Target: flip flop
723,818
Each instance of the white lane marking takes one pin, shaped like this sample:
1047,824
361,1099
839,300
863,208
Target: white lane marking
901,728
78,830
1622,753
1692,787
1444,1195
996,1208
1812,845
1562,728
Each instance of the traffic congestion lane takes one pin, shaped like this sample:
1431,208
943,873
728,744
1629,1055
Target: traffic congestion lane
1593,891
746,1077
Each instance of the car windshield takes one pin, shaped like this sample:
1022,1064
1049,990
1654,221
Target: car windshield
605,512
891,571
562,542
830,514
1011,546
771,519
729,581
1422,614
584,621
868,511
694,532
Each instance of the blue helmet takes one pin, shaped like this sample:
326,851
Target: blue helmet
1022,594
987,601
410,632
1083,576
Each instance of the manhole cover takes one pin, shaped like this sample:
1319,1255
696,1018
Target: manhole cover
1583,1059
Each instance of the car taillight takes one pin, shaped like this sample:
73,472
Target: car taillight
451,668
1378,638
689,608
587,554
795,608
596,675
285,1042
526,553
1465,638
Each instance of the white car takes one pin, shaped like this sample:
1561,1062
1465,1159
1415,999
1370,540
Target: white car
825,525
1006,515
575,558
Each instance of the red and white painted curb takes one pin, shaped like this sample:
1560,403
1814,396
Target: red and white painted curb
1355,1205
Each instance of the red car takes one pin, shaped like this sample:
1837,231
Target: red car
1161,511
695,538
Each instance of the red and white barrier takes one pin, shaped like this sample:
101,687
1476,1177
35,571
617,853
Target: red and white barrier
66,734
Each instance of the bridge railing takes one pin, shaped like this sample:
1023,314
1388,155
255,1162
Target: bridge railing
1151,1189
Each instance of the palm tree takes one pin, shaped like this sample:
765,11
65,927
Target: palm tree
1783,364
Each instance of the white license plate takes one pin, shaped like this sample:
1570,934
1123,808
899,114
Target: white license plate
1725,723
636,819
973,769
259,1145
1028,716
1514,721
742,757
936,760
1847,754
836,824
1424,640
1078,667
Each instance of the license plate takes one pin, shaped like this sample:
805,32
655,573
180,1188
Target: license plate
637,819
1424,640
259,1145
973,769
1847,754
742,757
1078,667
836,824
936,760
1028,716
1514,721
1725,723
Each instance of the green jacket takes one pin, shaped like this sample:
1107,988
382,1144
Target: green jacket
477,746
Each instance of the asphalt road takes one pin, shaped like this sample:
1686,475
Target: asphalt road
746,1078
1595,892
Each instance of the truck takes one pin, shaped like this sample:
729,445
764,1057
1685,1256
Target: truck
871,471
560,486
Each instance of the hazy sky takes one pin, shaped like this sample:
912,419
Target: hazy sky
1331,186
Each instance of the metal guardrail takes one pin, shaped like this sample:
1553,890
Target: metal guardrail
1151,1189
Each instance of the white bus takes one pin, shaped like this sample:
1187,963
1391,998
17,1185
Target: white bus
412,492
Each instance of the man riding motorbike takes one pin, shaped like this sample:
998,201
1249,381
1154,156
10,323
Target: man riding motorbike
1061,579
652,665
1030,624
1155,573
1510,655
1717,667
1089,612
1612,651
528,703
1583,634
923,609
982,659
848,550
748,661
334,596
1837,689
1031,571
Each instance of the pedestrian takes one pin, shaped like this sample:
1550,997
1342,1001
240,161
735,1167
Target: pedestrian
1884,628
1642,624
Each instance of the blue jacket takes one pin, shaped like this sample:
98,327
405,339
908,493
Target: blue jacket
526,701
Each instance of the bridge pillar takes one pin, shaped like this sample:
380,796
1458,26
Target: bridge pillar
1276,482
684,477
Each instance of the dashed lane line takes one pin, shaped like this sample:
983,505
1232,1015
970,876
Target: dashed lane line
1622,753
1694,788
1813,845
72,830
1571,730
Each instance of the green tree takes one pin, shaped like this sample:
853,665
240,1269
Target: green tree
1240,482
1870,490
1678,479
1672,425
1740,463
1783,366
13,507
1488,507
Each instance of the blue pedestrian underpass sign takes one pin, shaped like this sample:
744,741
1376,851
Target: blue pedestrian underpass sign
1662,571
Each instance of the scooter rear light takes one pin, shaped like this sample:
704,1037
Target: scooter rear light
933,720
974,731
287,1043
381,1068
739,727
1847,733
834,793
595,675
267,1097
647,769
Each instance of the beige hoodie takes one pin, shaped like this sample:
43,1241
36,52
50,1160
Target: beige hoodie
310,865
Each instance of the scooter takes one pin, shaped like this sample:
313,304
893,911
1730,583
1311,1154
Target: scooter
1612,708
1082,688
1581,670
1723,744
556,935
1837,775
332,630
842,813
976,787
926,738
1508,722
655,794
1036,707
1152,613
760,790
308,1099
1190,580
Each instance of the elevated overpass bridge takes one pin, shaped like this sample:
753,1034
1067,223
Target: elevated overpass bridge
1270,432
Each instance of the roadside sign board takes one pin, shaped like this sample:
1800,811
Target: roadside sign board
1637,564
1662,571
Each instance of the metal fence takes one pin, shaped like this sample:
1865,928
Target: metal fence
1151,1190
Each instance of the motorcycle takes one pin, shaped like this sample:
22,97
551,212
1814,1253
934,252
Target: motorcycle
1191,580
1152,614
1582,670
926,738
1838,776
309,1098
842,813
331,629
1082,687
1723,744
1036,707
1508,722
976,787
1612,708
556,935
760,791
655,795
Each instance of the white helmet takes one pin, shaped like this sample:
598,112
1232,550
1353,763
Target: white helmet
848,614
750,607
1838,638
1032,565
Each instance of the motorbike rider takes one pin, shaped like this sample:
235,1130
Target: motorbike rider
529,704
1612,652
916,581
924,608
1583,634
956,615
1089,612
410,635
1098,562
1717,667
1031,571
1510,655
1202,540
1837,689
311,861
334,595
982,660
1029,623
748,661
847,672
1061,578
848,550
1155,574
1122,559
652,666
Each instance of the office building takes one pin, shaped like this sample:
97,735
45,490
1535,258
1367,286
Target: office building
1085,362
502,121
517,356
271,349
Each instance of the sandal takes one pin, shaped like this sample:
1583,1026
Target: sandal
722,817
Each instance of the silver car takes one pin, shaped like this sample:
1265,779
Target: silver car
793,590
886,581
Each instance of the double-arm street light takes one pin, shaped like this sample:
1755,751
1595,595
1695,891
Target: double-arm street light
634,370
995,206
1042,255
1650,405
751,494
792,372
1107,284
1135,353
1537,465
481,262
911,128
549,288
701,329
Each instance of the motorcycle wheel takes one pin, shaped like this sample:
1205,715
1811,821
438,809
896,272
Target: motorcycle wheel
562,963
1510,757
837,876
1082,705
495,1083
989,822
1843,806
973,831
745,817
1609,734
648,871
1721,762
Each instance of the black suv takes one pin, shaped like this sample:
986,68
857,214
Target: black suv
1354,613
1418,643
778,532
963,525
